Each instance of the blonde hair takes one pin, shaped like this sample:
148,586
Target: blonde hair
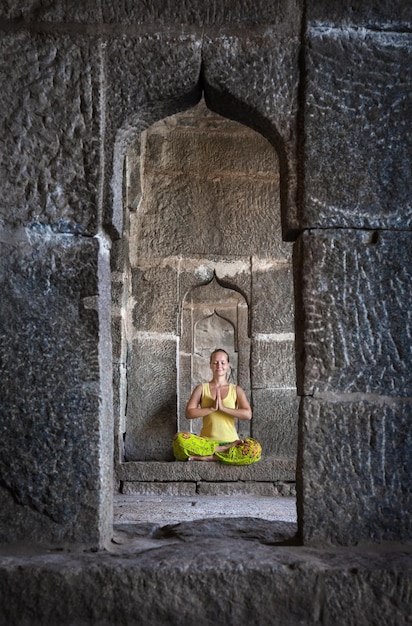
219,350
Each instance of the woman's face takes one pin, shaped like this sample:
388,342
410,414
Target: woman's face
219,363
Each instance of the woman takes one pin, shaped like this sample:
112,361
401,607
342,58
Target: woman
218,403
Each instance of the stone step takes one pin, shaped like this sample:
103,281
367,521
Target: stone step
267,470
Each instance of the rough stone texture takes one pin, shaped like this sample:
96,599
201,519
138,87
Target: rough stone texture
215,13
266,470
272,305
204,488
51,393
50,132
207,212
254,80
273,363
275,421
152,488
154,289
163,13
242,575
238,488
151,406
378,14
136,96
358,119
356,324
354,476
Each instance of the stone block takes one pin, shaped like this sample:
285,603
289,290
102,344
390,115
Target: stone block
354,473
55,403
272,309
159,489
273,362
233,217
148,77
372,15
255,80
154,289
266,470
56,11
275,422
244,576
236,488
50,107
355,326
221,152
197,13
151,405
197,272
357,118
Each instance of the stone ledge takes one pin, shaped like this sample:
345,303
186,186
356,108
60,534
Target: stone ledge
267,470
205,488
206,580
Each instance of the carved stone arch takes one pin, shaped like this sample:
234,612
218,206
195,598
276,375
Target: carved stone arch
213,316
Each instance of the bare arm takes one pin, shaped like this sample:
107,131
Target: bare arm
193,409
243,410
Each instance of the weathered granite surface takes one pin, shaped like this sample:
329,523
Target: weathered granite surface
357,120
377,14
52,446
161,12
151,405
50,112
255,80
204,573
355,324
354,475
265,470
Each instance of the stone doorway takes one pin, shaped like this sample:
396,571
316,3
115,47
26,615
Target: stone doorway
203,255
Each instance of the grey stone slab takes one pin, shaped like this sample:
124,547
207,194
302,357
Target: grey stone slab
249,579
269,470
55,402
358,143
51,113
232,216
272,309
273,363
56,11
354,474
275,421
151,404
378,14
152,488
236,488
355,326
154,290
255,80
196,13
225,510
148,77
229,149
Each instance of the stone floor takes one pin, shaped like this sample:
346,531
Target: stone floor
179,561
166,509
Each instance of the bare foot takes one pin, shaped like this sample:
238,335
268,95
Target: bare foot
202,458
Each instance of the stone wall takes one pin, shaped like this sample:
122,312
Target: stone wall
204,241
79,84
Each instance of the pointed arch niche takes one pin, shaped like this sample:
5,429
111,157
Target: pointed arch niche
213,317
203,264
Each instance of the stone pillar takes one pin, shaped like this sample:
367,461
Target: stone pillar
353,268
55,345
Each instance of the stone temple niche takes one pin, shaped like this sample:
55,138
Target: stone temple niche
212,317
204,267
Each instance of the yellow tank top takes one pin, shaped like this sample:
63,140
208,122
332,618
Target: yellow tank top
218,425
